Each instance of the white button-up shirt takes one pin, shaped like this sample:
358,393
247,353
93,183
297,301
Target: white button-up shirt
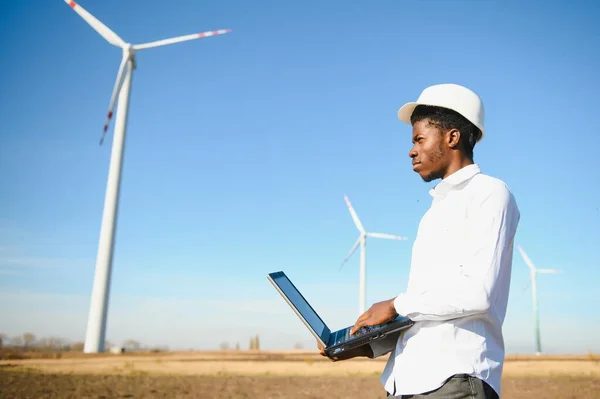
458,286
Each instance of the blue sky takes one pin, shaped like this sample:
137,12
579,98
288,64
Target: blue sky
240,149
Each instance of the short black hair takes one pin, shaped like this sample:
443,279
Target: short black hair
446,119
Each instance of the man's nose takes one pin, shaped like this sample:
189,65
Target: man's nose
412,153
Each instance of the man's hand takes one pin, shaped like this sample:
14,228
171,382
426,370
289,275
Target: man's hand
380,312
321,349
363,351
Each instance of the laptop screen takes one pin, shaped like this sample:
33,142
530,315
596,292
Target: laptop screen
301,305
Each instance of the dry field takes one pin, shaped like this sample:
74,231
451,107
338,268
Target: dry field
264,374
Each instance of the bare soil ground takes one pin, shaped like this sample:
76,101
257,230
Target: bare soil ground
35,385
262,374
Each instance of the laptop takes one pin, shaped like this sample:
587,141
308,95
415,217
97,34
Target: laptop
337,343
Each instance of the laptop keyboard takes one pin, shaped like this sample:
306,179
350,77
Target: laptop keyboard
344,335
365,330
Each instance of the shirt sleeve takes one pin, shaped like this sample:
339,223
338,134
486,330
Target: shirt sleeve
491,225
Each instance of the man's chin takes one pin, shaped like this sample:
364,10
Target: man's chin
428,177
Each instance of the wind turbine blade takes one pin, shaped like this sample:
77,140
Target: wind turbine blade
549,271
179,39
526,258
356,244
98,26
386,236
357,222
115,94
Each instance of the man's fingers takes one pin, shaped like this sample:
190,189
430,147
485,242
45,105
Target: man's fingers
361,319
360,322
321,349
357,326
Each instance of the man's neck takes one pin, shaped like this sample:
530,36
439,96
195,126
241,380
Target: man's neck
457,165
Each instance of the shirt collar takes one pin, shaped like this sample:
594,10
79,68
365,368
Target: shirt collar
455,179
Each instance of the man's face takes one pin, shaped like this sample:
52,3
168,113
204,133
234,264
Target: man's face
428,152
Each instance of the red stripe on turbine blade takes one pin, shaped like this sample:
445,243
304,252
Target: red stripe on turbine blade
72,4
105,128
110,115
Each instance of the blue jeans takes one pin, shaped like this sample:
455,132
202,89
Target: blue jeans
457,387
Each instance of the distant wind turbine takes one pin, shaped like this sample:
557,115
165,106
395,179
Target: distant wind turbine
362,241
96,328
533,275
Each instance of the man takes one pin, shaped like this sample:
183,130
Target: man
461,260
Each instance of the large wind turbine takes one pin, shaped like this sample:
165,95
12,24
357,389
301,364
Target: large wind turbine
533,275
362,242
96,328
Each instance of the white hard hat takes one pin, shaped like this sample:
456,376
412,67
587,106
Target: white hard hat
451,96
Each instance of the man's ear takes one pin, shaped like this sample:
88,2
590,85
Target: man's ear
453,138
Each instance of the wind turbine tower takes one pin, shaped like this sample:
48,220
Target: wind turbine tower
362,242
533,272
96,328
